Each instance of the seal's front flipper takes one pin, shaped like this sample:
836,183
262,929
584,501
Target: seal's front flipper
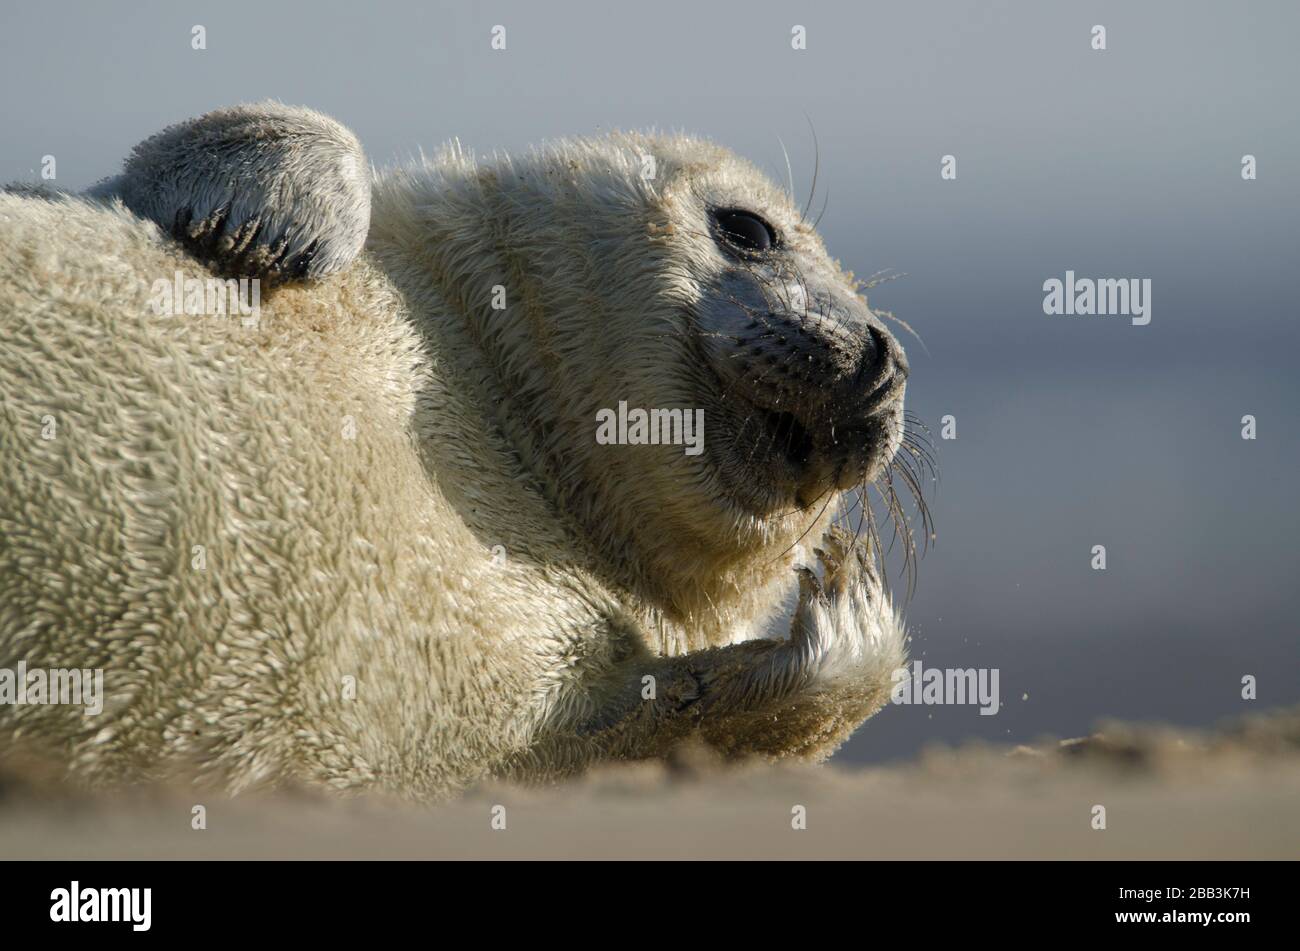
268,191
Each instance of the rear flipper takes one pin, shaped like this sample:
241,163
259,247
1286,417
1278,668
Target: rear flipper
267,191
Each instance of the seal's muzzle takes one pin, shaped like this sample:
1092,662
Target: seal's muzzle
821,377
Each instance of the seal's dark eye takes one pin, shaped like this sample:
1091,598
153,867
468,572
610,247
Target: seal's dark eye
745,230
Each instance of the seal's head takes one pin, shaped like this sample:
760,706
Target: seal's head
807,384
665,273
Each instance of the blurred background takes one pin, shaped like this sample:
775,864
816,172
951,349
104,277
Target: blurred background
1071,431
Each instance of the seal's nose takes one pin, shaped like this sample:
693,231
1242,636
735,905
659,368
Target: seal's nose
882,369
875,350
895,351
880,354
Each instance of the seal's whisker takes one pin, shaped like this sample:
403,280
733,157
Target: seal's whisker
696,335
908,477
901,528
825,202
873,535
789,172
920,445
889,315
817,166
916,421
902,532
831,496
922,464
860,493
882,276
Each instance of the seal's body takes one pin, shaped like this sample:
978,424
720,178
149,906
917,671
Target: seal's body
367,537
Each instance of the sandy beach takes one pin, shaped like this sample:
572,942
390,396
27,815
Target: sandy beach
1231,793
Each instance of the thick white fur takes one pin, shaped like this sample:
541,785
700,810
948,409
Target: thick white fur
497,585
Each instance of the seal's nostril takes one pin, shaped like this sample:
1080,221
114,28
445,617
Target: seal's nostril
881,370
886,354
875,353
